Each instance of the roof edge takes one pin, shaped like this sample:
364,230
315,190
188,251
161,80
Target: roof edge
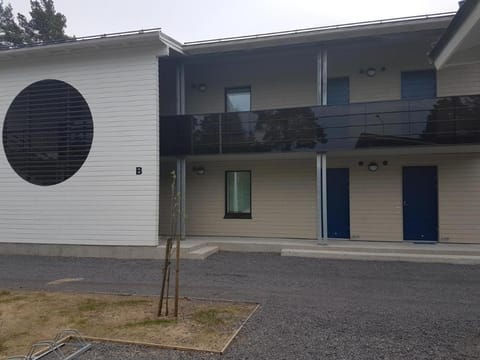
320,28
454,25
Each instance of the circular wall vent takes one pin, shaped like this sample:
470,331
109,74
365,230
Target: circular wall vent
47,132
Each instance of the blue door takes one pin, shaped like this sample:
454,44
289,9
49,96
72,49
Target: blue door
420,203
338,91
420,84
338,204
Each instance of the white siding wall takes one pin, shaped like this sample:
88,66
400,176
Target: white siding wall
104,203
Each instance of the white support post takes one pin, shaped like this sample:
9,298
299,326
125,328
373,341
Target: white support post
322,76
181,162
319,198
324,200
321,192
181,190
180,89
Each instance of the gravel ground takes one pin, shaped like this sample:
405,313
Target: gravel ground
311,309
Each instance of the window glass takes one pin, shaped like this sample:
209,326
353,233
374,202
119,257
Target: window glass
420,84
238,194
237,99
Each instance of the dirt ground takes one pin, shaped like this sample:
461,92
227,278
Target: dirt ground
28,317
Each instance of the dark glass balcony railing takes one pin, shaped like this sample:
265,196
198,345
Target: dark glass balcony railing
440,121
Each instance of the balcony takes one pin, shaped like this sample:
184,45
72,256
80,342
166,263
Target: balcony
440,121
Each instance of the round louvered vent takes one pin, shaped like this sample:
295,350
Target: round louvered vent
48,132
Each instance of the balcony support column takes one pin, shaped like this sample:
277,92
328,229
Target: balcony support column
181,190
180,87
321,192
322,76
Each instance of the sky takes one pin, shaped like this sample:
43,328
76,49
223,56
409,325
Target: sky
191,20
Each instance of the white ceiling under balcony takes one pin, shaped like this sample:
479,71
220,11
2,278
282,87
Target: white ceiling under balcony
460,44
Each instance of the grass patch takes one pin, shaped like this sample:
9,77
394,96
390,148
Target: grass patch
27,317
155,322
210,317
11,299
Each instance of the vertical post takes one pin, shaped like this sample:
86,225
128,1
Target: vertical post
319,198
180,89
181,162
321,192
181,190
322,76
324,200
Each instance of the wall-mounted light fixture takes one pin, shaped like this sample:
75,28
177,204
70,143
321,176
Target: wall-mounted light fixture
202,87
199,170
373,166
371,72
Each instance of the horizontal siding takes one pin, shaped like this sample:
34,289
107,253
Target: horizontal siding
288,79
459,80
281,80
104,203
283,200
283,193
459,199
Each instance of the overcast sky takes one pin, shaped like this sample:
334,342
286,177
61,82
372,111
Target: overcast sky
189,20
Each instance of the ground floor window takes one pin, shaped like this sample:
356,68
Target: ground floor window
238,194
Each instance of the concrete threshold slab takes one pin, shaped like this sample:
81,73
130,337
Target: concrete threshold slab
376,256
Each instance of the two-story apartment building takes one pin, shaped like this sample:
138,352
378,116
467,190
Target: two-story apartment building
366,131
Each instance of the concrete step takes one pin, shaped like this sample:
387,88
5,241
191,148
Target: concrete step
186,247
386,256
403,248
202,253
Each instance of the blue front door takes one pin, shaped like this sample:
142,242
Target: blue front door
420,203
338,204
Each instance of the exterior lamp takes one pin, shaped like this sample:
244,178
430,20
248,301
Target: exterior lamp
199,170
373,166
371,72
202,87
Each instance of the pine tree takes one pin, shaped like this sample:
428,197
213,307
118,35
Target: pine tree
10,33
44,25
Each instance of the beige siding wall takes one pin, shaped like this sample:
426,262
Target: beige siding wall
459,80
388,60
284,198
105,202
288,78
285,79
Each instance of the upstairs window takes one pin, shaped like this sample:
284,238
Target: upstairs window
420,84
338,91
238,195
238,99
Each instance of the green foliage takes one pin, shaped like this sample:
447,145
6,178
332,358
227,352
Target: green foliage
44,24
